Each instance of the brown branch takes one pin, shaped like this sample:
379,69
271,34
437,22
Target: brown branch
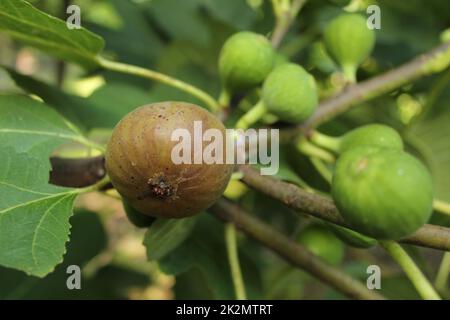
87,171
76,173
323,208
376,86
291,251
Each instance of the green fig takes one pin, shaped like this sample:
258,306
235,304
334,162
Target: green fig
349,42
352,238
376,135
290,93
371,135
245,61
383,193
136,218
322,242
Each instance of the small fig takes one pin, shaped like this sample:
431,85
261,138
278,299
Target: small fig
371,135
376,135
136,218
140,165
352,238
322,242
349,42
383,193
245,61
290,93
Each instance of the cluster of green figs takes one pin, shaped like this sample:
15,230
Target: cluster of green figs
380,190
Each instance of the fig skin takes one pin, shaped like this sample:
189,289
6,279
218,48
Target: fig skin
322,242
138,161
349,41
290,93
383,193
352,238
376,135
245,61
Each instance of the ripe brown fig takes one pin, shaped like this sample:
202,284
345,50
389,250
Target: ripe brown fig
140,165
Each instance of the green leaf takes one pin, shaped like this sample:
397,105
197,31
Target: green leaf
236,13
183,23
204,250
431,138
102,109
29,126
165,235
67,105
111,102
23,22
34,215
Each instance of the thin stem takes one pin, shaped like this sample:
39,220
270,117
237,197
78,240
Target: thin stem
291,251
285,13
95,187
322,169
418,279
325,141
224,99
91,144
349,73
233,258
441,206
443,273
160,77
309,149
252,116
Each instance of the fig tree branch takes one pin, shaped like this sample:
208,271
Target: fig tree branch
86,171
434,61
291,251
323,208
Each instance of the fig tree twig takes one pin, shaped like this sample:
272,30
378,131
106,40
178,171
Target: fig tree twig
285,14
233,258
291,251
431,236
323,208
434,61
209,101
417,278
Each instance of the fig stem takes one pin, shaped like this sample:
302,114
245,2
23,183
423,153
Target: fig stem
311,150
252,116
325,141
322,169
210,102
349,71
224,99
233,258
442,276
441,206
415,275
290,250
285,12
